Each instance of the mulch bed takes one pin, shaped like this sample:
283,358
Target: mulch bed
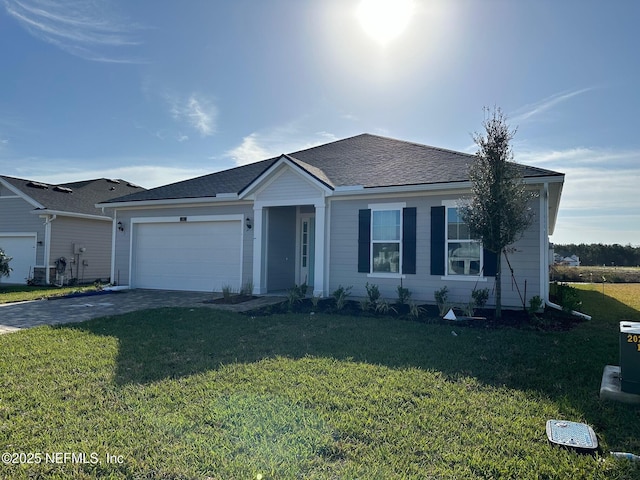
549,320
232,300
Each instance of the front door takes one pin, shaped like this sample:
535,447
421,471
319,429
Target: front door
307,248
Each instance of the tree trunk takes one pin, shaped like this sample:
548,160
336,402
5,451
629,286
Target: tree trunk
499,285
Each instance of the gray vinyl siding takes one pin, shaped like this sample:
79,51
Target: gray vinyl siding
94,236
343,257
16,217
123,239
287,187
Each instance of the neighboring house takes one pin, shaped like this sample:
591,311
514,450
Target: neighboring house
44,225
363,209
571,261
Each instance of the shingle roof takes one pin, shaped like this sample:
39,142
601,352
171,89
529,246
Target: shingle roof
75,197
364,160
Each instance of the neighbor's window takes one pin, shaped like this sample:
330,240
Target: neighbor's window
464,254
386,231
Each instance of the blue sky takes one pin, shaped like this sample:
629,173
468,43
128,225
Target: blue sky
159,91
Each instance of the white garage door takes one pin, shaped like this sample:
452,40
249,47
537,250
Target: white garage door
193,256
22,249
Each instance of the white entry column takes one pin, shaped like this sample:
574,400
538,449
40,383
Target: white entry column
259,280
318,276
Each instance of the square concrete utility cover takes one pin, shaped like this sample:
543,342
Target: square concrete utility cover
572,434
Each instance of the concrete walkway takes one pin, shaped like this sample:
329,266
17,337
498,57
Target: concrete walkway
17,316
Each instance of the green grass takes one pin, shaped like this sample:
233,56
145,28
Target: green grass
196,393
23,293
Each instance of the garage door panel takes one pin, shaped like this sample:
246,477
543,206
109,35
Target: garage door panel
22,250
197,256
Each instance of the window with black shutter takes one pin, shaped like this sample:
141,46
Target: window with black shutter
387,240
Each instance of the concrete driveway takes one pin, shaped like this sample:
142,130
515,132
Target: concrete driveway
17,316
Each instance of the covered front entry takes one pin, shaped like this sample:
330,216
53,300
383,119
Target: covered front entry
201,254
289,247
289,228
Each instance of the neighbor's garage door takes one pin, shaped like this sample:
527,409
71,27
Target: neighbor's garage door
22,250
194,256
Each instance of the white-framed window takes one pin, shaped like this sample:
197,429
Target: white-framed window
386,238
463,254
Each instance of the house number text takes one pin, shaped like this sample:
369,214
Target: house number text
634,339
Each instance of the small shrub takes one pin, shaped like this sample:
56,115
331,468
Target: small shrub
469,309
340,295
365,305
296,294
404,294
5,269
567,296
383,307
247,288
227,292
535,304
415,310
480,297
373,293
442,299
314,301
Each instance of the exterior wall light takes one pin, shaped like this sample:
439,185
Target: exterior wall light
121,226
248,223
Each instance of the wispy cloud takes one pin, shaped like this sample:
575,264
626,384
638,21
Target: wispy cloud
581,157
535,109
251,150
599,195
81,27
197,110
275,141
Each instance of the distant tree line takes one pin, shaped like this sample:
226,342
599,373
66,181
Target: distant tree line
599,254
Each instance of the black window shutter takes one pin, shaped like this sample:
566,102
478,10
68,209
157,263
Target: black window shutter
364,241
437,240
490,263
409,240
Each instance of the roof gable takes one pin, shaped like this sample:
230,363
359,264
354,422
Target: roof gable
307,176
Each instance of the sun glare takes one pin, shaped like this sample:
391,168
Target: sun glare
384,20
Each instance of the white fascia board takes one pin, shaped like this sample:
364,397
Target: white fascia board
190,219
21,194
432,187
555,206
543,180
316,201
221,197
18,234
349,188
46,212
435,187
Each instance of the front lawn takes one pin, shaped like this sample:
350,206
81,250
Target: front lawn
197,394
23,293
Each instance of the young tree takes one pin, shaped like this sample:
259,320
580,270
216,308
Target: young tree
498,212
5,269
